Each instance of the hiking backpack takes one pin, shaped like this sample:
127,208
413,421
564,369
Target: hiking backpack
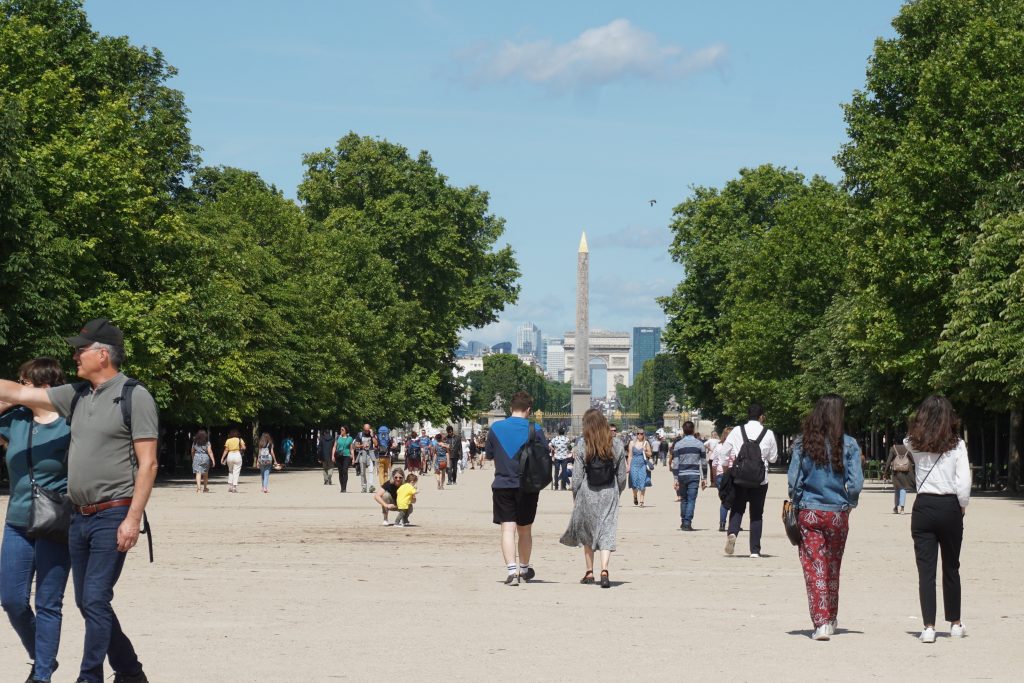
125,400
534,464
748,468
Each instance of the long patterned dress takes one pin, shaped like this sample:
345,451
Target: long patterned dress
595,514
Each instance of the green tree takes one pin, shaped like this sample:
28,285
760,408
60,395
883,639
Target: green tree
94,146
504,374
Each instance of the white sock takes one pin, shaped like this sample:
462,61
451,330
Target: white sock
523,568
512,569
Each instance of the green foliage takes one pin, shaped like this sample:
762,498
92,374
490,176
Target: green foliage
504,374
657,380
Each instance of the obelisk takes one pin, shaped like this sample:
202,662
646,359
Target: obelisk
581,361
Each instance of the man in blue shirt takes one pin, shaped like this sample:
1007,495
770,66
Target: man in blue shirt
687,454
514,509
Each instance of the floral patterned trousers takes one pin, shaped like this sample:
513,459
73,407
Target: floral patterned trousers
823,535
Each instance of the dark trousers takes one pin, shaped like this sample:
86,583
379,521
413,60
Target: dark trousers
344,462
756,498
95,567
558,478
453,470
937,523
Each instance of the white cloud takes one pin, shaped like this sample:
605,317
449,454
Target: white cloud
634,238
598,56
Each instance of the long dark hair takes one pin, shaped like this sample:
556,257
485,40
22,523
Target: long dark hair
935,427
201,438
597,435
823,432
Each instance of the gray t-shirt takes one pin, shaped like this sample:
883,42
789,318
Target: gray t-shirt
100,466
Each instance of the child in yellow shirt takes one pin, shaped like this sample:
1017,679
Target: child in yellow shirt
406,497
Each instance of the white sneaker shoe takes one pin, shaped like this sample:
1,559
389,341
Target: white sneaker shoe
833,626
399,524
822,632
755,556
957,631
730,544
385,523
927,635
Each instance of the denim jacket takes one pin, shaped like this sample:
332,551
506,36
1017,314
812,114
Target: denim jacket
821,488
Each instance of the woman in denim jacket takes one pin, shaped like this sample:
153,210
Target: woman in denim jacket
825,479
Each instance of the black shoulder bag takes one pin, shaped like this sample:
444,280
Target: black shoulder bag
50,514
790,510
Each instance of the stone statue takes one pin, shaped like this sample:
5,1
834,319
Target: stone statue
498,404
672,405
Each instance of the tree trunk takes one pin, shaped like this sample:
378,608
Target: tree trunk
1013,464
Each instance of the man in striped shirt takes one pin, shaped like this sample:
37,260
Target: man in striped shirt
687,453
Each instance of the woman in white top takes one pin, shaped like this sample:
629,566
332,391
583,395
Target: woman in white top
943,492
722,456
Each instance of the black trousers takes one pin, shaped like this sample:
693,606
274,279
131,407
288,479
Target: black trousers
453,469
756,498
343,465
937,523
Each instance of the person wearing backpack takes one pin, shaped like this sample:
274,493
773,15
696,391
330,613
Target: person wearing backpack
599,477
266,459
514,507
112,464
900,467
755,447
825,481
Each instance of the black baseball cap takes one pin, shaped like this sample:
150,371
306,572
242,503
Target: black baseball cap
98,330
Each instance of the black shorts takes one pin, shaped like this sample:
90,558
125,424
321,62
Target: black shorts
514,505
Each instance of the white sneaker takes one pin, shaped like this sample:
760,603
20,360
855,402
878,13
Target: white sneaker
730,544
754,556
385,523
833,626
927,635
399,524
957,631
822,632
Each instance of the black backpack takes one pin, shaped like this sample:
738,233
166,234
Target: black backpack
534,464
748,468
600,472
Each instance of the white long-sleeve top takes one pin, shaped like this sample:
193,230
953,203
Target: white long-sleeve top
952,473
769,448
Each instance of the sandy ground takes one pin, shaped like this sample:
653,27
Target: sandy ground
303,584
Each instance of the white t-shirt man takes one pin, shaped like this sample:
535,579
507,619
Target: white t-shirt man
769,448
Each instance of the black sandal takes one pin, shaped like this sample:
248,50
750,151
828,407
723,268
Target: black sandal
588,577
605,583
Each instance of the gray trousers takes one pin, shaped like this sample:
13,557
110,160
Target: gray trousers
328,471
367,461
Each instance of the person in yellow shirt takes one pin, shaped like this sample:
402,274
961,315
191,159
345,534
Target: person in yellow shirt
406,497
234,448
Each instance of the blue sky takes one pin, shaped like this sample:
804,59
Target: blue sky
572,115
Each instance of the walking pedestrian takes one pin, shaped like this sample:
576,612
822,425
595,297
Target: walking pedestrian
639,473
366,454
412,453
234,450
599,477
454,454
287,446
202,460
721,463
825,481
327,451
383,454
341,455
687,453
560,456
514,509
266,459
937,518
755,433
112,463
440,445
426,452
37,442
900,467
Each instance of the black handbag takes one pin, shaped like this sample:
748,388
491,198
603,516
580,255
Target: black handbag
789,513
49,516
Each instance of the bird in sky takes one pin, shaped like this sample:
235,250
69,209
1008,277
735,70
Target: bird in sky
652,202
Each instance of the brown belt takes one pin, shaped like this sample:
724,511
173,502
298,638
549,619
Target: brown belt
93,508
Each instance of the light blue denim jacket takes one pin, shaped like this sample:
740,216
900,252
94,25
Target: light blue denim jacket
821,488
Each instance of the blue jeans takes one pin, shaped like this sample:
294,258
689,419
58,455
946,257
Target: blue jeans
900,497
688,486
723,511
265,473
20,558
561,467
95,567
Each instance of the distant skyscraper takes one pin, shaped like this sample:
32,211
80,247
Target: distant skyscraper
646,345
528,339
503,347
476,348
555,355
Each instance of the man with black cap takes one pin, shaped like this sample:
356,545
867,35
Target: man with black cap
108,494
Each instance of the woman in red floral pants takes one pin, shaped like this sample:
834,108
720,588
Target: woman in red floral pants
825,480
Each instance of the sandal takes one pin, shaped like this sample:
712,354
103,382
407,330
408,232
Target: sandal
588,577
605,583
